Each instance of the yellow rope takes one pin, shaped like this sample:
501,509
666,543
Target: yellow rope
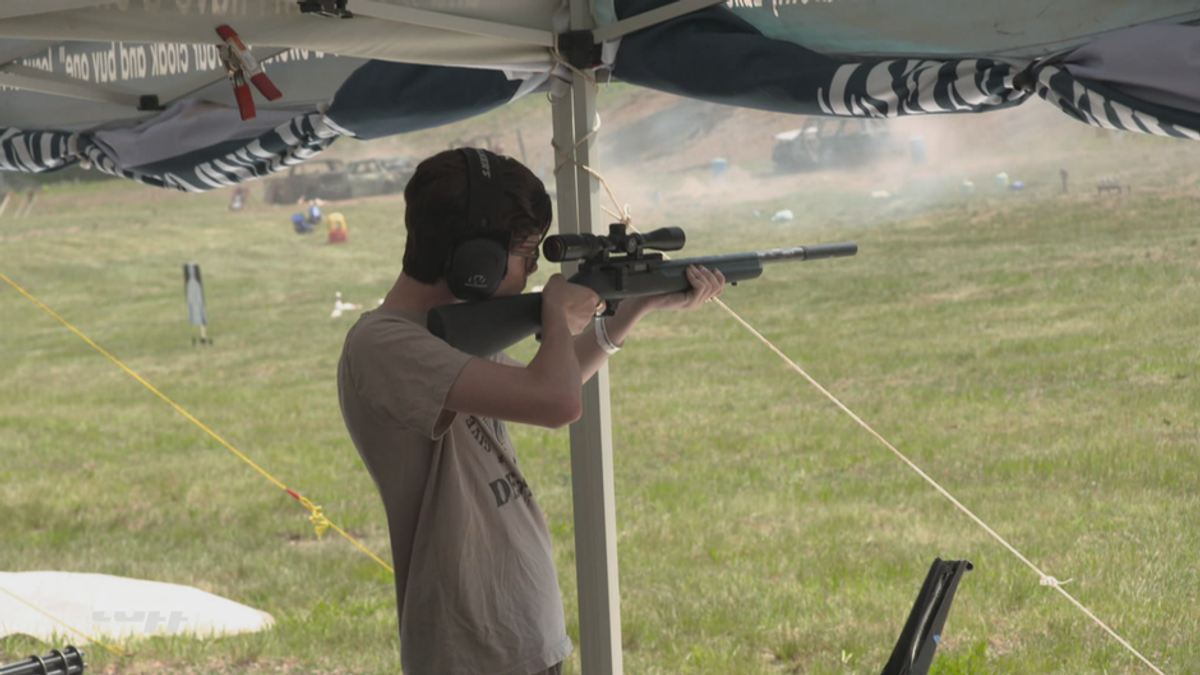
119,652
320,522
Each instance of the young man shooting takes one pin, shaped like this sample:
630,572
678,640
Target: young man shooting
476,587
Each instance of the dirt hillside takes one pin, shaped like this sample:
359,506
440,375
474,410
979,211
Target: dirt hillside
655,145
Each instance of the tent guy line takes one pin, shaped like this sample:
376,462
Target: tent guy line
317,517
122,653
1044,579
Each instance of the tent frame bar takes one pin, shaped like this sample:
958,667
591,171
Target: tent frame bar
32,79
450,22
25,50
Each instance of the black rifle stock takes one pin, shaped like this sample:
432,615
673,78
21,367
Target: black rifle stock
485,327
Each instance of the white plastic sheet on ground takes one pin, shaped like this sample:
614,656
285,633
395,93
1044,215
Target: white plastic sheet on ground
103,606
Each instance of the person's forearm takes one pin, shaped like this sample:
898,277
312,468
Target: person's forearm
587,347
556,363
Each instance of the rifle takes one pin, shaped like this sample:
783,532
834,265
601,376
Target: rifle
616,266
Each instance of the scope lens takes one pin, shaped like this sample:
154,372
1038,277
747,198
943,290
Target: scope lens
553,249
565,247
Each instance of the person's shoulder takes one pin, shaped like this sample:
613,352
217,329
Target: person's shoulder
389,319
395,331
385,325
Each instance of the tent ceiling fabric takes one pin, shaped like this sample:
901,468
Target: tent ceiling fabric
738,66
167,70
279,23
1018,29
1131,68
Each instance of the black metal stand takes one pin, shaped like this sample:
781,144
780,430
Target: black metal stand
923,631
67,661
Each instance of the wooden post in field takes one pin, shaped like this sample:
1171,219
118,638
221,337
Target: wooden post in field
521,147
193,288
27,208
4,204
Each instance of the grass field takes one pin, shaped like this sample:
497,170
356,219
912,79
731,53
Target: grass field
1035,353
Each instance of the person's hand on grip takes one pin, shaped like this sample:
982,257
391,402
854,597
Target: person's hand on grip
577,304
706,285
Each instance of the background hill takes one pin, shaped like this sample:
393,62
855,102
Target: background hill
652,142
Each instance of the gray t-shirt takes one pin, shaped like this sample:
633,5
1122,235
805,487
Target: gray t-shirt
475,580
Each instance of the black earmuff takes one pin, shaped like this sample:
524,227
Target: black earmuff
479,258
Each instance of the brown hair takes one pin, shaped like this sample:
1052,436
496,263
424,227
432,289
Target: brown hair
436,211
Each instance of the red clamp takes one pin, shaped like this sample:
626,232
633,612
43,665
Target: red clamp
240,64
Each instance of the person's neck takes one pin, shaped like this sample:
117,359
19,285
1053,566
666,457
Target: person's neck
411,295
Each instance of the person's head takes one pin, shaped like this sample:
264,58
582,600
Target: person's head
436,216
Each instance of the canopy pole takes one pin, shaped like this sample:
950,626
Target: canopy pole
591,437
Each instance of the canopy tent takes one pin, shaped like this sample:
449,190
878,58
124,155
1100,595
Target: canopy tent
149,72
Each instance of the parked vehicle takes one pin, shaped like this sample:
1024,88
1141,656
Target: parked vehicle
405,165
369,177
315,179
829,143
334,180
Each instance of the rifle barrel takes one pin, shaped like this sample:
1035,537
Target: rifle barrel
668,276
815,252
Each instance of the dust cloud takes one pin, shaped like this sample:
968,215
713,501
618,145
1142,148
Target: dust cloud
666,156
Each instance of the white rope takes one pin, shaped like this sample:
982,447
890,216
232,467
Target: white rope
1044,579
623,214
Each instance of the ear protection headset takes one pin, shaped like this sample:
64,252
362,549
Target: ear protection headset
479,257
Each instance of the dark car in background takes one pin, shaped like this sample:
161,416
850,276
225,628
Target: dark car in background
333,180
830,144
404,165
369,177
315,179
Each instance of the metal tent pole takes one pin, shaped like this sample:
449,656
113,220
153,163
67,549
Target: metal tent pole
591,436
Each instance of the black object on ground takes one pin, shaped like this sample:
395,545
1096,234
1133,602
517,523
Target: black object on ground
67,661
923,631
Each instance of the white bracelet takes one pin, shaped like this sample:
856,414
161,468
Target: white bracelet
602,338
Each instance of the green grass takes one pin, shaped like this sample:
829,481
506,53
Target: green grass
1035,354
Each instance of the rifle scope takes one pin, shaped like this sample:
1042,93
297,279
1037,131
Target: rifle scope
567,247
